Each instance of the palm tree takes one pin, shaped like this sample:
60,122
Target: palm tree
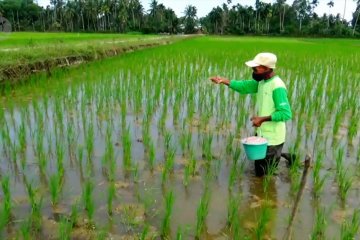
215,17
301,7
357,18
190,18
153,8
330,4
282,7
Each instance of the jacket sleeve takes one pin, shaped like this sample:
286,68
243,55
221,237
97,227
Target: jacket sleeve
282,106
244,86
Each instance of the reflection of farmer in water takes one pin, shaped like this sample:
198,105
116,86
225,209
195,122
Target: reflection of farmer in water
272,105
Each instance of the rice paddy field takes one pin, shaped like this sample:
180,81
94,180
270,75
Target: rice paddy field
144,146
28,47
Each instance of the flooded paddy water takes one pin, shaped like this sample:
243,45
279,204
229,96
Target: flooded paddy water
144,146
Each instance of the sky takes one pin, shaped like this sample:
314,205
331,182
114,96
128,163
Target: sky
205,6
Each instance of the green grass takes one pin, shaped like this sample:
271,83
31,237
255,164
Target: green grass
169,204
28,47
25,47
22,39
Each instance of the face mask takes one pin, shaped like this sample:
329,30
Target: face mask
261,76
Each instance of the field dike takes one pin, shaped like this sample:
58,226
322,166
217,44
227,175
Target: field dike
13,74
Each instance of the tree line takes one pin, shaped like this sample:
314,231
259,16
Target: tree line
278,18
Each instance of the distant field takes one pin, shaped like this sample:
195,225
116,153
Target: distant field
28,47
144,146
30,39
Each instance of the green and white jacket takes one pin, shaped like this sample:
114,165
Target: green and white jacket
271,101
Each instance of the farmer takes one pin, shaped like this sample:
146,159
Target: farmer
273,107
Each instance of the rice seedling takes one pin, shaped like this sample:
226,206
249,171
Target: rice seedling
318,181
188,137
190,106
6,140
71,139
3,220
55,188
22,137
65,227
163,117
167,140
207,146
110,197
263,220
89,140
109,156
126,140
183,143
7,202
74,214
87,196
344,179
176,107
60,158
229,143
201,213
295,174
102,235
338,119
192,160
233,211
14,153
144,232
152,155
187,174
353,125
112,169
236,230
169,204
344,182
179,234
339,160
350,228
318,231
236,154
232,176
148,111
169,163
269,176
146,133
36,205
80,154
25,229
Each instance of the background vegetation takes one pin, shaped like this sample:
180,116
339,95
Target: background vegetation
122,16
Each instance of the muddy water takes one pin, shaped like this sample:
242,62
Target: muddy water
82,105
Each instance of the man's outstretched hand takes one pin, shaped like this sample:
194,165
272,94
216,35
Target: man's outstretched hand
219,80
257,121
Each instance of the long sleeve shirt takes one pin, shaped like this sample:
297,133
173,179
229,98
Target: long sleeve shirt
272,101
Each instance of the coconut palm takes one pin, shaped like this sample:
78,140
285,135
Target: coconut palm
190,18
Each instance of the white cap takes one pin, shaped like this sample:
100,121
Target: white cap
263,59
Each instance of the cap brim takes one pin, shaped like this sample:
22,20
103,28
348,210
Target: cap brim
251,64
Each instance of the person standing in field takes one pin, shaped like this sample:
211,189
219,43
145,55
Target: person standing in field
273,107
